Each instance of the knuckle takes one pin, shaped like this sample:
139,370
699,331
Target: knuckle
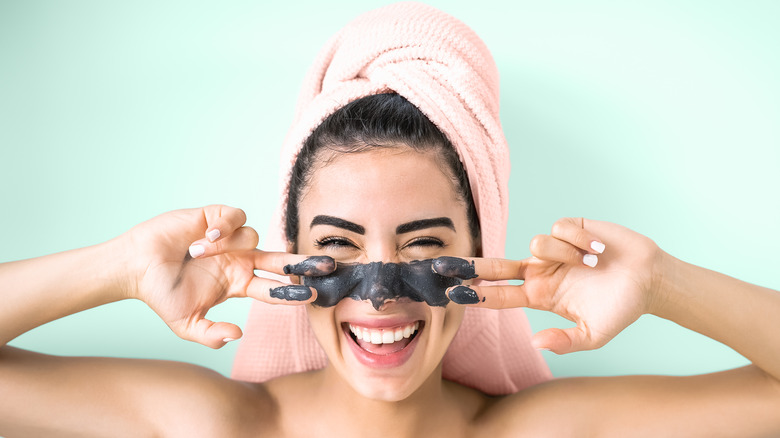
575,256
278,261
254,237
537,243
217,247
582,239
240,215
501,297
496,267
183,333
558,226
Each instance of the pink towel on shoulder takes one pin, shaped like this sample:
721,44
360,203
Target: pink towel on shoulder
442,67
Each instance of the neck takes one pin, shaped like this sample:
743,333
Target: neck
415,413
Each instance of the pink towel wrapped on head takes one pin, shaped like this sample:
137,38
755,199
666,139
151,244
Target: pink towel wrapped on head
442,67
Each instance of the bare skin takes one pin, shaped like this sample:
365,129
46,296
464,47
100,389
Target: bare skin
57,396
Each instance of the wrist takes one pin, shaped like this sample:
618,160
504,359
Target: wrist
118,272
667,288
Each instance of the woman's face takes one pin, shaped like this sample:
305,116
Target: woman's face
384,205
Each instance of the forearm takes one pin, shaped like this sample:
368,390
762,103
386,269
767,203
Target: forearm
741,315
39,290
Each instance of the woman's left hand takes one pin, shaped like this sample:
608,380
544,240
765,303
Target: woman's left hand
602,299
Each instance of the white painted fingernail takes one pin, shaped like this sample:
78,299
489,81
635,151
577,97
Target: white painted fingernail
197,251
213,235
226,340
590,260
597,246
542,349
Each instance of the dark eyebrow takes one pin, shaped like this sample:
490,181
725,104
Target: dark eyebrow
425,223
337,222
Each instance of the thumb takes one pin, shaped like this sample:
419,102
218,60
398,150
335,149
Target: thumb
562,341
206,332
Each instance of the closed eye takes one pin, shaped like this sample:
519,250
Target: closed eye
333,243
425,242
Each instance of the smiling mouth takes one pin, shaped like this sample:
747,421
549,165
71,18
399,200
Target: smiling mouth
383,341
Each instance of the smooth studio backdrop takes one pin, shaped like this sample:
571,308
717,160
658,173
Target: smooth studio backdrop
658,115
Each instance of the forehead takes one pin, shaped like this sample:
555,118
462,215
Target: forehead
398,182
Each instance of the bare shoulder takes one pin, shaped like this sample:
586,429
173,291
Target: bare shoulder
201,402
638,406
574,407
125,397
547,409
566,407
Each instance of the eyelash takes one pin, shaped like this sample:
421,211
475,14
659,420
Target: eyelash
426,242
332,242
340,242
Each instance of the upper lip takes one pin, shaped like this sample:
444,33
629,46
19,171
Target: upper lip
393,315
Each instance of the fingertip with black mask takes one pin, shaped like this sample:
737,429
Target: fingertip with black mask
312,266
454,267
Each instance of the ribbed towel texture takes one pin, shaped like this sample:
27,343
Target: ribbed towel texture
442,67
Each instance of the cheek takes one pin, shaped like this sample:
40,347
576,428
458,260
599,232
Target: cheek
322,321
449,319
454,314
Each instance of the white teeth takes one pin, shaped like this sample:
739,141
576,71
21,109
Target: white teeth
384,336
388,337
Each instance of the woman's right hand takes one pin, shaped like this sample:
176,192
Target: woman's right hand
185,262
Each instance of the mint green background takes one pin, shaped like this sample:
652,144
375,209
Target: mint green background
658,115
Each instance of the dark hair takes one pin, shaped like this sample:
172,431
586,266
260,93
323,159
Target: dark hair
377,121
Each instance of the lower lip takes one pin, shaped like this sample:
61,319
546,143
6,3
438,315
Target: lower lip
391,360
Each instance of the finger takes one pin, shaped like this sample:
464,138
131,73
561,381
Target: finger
572,230
491,297
275,292
483,268
283,263
209,333
552,249
222,221
243,239
562,341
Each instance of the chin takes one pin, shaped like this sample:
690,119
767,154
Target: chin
386,355
383,391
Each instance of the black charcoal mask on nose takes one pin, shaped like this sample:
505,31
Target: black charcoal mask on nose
379,282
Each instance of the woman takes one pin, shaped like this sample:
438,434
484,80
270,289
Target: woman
411,208
445,70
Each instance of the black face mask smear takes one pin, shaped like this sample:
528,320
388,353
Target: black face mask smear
315,266
454,267
379,282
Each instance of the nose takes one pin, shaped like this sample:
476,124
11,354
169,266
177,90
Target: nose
383,283
378,288
381,250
